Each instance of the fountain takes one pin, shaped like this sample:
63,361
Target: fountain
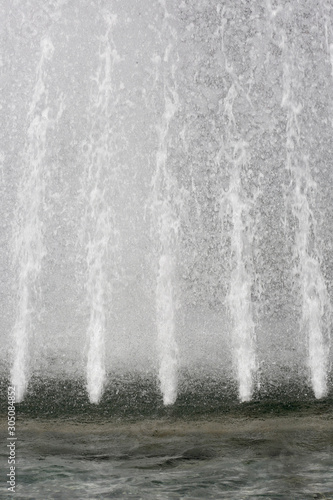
165,198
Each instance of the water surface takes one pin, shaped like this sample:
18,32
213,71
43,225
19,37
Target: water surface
231,457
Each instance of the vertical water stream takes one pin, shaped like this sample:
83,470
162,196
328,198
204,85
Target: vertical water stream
166,221
315,303
102,239
218,117
236,205
28,246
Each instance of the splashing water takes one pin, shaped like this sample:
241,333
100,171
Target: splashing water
328,34
239,297
28,247
100,224
218,117
315,301
235,203
166,218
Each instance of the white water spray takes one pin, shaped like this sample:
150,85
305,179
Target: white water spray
166,219
211,122
328,34
100,226
235,203
315,300
28,246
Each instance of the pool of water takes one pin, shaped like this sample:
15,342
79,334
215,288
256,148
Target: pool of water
231,457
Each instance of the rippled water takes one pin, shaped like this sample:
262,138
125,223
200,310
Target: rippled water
232,457
206,445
